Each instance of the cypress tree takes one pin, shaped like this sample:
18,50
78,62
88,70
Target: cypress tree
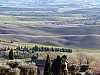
47,68
56,66
11,55
52,49
63,66
36,48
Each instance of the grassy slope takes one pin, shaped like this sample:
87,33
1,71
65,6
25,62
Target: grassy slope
7,18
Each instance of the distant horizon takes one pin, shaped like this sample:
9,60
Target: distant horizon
49,1
89,3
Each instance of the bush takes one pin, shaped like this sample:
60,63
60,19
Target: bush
72,73
83,68
28,69
74,68
88,72
15,71
4,69
13,64
13,67
78,73
34,57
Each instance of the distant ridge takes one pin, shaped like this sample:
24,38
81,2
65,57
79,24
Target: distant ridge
45,2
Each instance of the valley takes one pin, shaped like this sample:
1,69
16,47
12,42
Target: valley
51,26
35,34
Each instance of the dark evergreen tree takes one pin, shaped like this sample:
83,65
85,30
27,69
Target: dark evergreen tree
34,57
52,49
63,66
56,66
48,49
21,47
11,42
18,48
5,49
60,50
8,48
33,48
36,48
39,49
11,54
42,48
47,68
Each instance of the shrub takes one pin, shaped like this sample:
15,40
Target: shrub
83,68
4,69
78,73
13,64
28,69
14,71
74,68
35,56
88,72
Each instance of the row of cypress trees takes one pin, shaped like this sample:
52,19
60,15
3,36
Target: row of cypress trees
38,48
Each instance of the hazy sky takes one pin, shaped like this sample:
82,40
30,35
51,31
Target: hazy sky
50,1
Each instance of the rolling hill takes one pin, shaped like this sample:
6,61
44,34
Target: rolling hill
82,37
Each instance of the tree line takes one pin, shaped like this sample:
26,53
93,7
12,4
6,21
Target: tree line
42,48
36,48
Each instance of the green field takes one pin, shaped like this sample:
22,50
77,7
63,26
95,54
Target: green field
7,18
35,14
66,9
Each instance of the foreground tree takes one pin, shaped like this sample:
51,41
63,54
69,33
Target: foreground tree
47,68
64,64
56,66
59,66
